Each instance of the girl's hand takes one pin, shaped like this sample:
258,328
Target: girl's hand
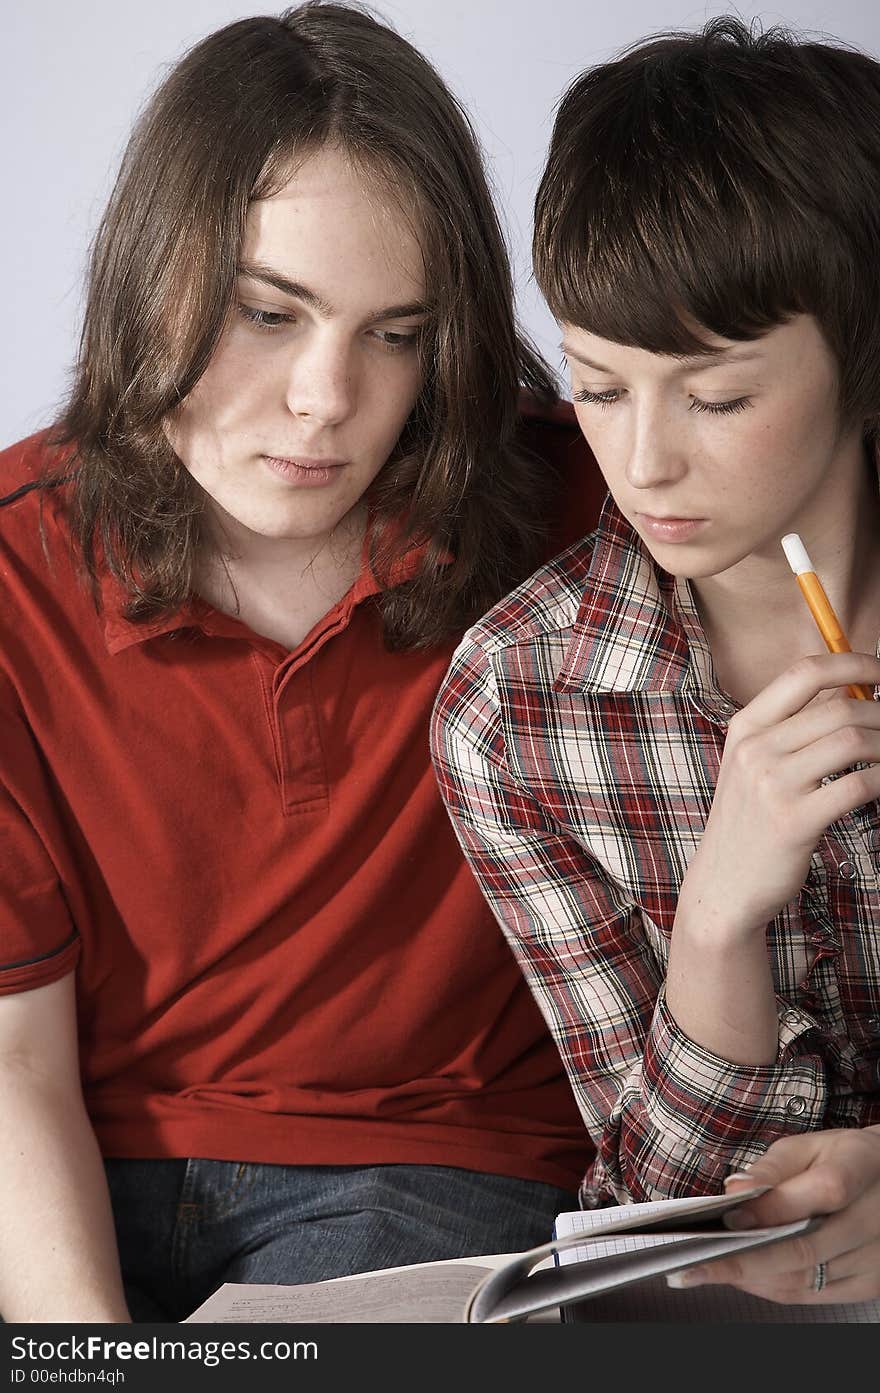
832,1173
770,806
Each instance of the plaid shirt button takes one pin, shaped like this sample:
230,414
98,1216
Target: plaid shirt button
846,869
795,1107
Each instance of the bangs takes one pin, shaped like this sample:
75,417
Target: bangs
660,221
661,287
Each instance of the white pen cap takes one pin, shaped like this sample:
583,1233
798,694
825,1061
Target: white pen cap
796,553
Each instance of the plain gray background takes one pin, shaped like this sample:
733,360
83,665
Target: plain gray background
73,76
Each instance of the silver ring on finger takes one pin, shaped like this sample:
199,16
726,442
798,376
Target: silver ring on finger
820,1276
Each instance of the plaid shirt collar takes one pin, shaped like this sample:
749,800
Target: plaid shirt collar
637,629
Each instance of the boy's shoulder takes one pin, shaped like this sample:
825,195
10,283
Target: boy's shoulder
550,432
548,601
23,468
31,488
26,458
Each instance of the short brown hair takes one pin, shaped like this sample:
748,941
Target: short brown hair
225,127
724,180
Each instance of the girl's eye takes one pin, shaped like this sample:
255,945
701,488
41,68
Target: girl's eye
264,319
597,398
721,408
714,408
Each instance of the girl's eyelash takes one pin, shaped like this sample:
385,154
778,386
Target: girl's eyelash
714,408
596,398
721,408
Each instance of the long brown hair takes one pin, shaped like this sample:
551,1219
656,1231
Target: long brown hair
721,180
223,129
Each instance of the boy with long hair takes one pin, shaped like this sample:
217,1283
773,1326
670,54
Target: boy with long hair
256,1021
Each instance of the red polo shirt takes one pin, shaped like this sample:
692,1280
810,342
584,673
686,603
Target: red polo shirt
280,953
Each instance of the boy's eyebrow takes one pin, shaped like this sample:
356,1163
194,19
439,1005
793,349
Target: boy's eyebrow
267,276
694,362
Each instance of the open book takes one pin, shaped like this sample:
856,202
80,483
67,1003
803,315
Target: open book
605,1265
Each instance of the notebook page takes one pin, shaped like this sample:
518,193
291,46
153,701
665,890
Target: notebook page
693,1208
655,1300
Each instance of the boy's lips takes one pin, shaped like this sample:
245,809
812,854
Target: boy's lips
305,469
308,462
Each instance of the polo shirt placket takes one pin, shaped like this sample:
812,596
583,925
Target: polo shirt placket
299,752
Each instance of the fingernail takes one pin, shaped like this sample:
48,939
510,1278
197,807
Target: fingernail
689,1277
739,1219
737,1175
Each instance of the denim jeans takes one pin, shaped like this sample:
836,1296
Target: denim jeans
184,1227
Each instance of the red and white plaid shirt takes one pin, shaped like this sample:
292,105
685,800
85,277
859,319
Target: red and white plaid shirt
577,740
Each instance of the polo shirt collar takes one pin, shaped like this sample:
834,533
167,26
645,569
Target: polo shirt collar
634,622
121,633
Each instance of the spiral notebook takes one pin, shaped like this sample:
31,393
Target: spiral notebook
651,1299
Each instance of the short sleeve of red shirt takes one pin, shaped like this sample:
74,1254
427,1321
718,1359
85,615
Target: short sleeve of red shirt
38,942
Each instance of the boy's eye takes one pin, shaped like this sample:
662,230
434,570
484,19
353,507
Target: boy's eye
397,338
264,319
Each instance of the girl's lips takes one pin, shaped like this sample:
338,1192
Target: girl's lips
670,529
312,472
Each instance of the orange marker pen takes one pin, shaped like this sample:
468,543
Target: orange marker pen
827,621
